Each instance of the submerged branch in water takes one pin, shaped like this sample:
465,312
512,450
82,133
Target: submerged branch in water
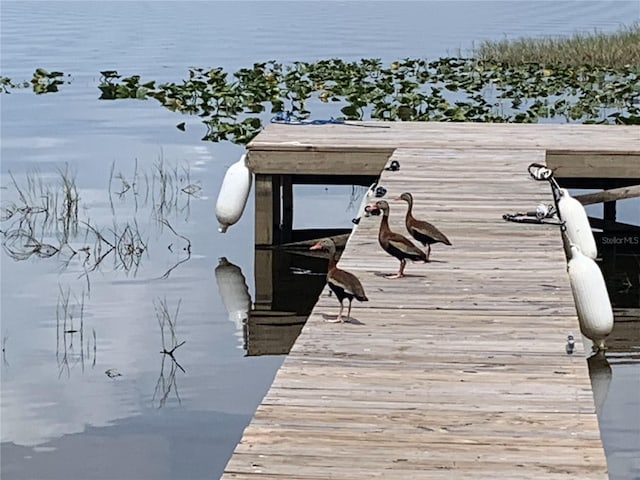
166,319
186,249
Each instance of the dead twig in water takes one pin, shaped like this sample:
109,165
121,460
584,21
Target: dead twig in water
166,319
186,249
65,330
170,353
4,350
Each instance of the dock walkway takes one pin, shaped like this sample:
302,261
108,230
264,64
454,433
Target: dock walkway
458,370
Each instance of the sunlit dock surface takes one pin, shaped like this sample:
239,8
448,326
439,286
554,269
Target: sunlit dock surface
458,370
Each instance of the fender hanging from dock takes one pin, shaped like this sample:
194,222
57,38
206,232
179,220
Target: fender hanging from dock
366,199
234,193
591,297
577,225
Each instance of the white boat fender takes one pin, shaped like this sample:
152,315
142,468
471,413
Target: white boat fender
577,225
234,292
233,195
591,297
365,201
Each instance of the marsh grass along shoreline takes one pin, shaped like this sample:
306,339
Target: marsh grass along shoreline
613,50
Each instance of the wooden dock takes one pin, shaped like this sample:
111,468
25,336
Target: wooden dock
458,370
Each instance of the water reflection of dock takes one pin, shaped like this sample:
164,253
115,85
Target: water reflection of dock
459,370
287,285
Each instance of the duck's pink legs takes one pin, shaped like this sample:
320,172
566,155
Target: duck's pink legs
339,319
400,273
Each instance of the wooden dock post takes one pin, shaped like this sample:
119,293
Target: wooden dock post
286,225
263,272
267,209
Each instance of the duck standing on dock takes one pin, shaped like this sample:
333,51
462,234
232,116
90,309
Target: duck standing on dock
395,244
341,282
422,231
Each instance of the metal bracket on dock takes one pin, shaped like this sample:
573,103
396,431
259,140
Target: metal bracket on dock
530,217
543,212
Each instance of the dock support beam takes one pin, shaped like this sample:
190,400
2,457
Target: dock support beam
286,226
609,226
274,206
267,209
263,272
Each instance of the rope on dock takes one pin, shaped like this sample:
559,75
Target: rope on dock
286,119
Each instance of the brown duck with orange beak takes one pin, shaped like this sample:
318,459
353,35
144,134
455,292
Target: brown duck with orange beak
393,243
424,232
344,284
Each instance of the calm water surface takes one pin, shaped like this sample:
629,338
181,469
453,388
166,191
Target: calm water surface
148,190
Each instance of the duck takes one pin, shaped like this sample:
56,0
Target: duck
344,284
424,232
395,244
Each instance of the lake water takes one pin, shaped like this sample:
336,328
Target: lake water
86,391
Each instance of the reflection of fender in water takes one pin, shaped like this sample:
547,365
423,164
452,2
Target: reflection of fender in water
234,292
600,373
233,195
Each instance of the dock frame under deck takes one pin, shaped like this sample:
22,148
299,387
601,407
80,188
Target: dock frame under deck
279,163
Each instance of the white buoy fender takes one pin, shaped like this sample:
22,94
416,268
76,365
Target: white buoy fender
591,297
577,225
363,203
233,291
366,199
233,195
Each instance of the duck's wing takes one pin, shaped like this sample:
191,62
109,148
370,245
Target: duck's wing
348,282
402,247
420,228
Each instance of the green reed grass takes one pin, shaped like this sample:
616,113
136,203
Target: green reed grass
612,50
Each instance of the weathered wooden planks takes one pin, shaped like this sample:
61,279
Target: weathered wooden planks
582,151
364,162
458,370
448,135
596,164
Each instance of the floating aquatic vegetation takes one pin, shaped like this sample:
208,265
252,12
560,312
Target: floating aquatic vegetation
41,82
447,89
46,82
235,106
